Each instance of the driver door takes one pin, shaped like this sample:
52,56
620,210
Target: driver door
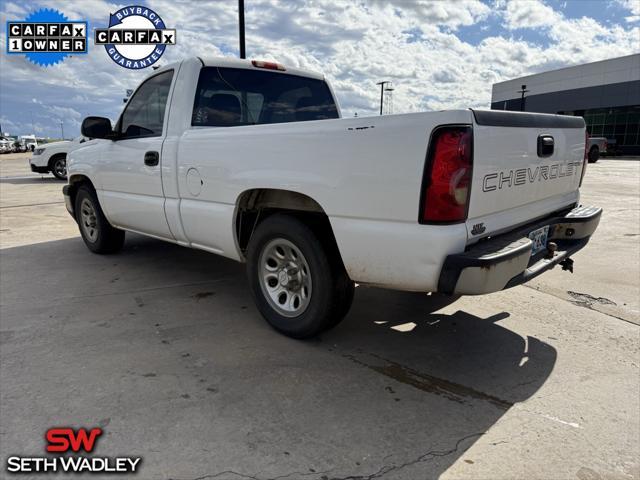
130,166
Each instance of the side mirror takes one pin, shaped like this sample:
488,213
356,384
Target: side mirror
97,127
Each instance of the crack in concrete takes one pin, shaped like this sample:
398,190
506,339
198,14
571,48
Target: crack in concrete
253,477
382,471
31,205
585,304
585,298
425,457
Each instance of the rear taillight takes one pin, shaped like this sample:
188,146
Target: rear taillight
585,160
447,180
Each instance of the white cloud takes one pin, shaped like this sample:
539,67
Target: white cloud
419,45
529,14
634,7
451,14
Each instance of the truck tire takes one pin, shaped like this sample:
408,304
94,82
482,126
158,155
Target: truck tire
347,293
98,234
594,154
58,166
298,285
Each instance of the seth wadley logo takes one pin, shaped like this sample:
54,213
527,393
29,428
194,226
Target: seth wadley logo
67,440
136,37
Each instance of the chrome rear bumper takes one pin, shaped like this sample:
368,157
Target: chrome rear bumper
506,261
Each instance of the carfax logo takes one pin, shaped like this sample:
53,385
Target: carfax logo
136,38
69,442
46,37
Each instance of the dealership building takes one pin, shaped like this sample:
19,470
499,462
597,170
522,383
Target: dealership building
605,93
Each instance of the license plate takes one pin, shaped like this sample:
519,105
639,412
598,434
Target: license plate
539,239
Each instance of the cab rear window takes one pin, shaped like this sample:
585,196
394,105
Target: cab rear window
227,97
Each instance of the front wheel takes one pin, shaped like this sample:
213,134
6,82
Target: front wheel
59,167
96,231
298,284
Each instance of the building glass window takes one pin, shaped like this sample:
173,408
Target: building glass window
620,125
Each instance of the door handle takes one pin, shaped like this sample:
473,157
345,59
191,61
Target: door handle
151,159
545,145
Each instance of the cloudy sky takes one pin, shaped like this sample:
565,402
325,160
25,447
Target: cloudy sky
439,54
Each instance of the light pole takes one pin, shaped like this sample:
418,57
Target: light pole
243,52
382,84
522,91
389,88
62,129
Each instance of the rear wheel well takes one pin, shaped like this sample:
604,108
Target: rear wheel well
254,206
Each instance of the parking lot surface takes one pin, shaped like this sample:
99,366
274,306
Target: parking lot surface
163,348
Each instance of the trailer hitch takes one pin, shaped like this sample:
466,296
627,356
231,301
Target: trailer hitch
567,264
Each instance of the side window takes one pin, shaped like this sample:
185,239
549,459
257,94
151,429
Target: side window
227,97
144,114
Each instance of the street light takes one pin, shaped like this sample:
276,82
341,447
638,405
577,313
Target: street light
62,129
382,84
243,53
389,89
522,91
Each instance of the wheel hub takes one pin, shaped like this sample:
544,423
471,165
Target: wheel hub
61,167
285,277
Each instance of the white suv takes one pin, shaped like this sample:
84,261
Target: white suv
52,157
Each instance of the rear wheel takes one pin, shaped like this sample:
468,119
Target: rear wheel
299,286
594,154
58,166
98,235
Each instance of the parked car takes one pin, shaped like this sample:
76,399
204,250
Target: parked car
52,157
18,147
251,160
30,142
6,145
597,146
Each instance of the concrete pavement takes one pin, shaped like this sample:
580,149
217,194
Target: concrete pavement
163,348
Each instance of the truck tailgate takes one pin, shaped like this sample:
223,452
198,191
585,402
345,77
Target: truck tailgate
525,166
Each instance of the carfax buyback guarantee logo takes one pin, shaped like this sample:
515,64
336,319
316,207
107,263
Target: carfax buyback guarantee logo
46,37
136,38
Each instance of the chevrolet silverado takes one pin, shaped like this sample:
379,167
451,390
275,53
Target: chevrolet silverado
251,160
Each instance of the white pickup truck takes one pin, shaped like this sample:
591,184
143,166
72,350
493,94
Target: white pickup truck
252,161
596,147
